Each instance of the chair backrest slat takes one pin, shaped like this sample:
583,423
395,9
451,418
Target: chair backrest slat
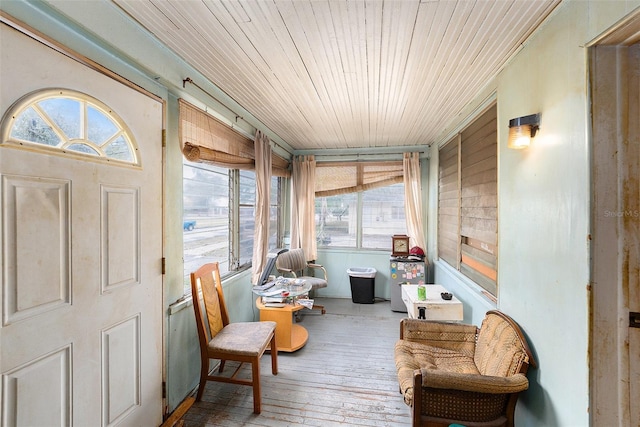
208,301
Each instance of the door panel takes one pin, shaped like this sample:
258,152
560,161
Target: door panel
81,331
48,287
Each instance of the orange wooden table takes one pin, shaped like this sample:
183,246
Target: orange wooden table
289,336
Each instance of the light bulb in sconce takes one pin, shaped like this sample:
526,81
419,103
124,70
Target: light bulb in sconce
522,129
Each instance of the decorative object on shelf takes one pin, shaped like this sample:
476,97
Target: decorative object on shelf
400,245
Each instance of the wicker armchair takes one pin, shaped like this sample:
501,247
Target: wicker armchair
456,373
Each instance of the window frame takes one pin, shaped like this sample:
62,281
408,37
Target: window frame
64,147
233,221
369,176
209,139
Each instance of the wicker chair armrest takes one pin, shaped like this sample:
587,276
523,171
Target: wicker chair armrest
318,267
434,378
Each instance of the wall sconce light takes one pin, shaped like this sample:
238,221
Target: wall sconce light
522,129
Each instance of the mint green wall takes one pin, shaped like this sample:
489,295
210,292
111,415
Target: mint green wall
544,210
543,193
337,261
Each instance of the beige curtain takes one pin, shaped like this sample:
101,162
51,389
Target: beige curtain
263,194
303,225
413,199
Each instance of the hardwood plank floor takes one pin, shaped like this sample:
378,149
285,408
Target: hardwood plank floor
344,375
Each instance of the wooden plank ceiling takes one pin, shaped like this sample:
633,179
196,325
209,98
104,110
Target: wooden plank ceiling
326,74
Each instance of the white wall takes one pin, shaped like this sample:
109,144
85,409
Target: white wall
544,210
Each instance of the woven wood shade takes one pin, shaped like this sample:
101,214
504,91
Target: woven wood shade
342,178
206,139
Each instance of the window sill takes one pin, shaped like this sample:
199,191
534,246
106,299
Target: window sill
466,284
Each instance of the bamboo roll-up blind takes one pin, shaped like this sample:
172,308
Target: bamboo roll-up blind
349,177
205,138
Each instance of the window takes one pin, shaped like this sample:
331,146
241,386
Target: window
220,193
275,213
382,216
219,215
336,220
468,202
247,213
206,216
69,122
359,205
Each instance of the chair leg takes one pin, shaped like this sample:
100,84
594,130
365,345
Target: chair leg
255,372
274,355
204,373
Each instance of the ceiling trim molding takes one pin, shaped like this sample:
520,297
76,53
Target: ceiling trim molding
365,154
624,32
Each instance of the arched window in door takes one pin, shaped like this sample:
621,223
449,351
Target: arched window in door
69,122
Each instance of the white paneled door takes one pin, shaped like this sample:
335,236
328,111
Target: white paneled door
81,300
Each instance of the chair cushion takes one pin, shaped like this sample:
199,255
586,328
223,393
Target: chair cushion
247,338
410,356
316,282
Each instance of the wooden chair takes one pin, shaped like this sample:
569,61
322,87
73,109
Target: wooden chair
221,340
295,263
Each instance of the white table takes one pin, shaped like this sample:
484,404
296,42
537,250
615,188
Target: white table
434,307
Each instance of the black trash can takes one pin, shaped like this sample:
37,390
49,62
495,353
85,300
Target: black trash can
363,284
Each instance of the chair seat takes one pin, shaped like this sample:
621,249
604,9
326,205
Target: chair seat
410,355
246,338
315,282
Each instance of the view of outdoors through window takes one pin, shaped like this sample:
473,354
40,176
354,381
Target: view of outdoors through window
219,209
219,217
247,215
72,123
206,216
381,216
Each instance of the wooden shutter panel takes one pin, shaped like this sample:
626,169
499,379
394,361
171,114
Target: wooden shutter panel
479,201
448,203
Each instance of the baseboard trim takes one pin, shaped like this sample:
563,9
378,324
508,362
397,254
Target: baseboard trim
176,415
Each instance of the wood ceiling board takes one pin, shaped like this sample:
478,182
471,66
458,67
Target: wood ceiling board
338,74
